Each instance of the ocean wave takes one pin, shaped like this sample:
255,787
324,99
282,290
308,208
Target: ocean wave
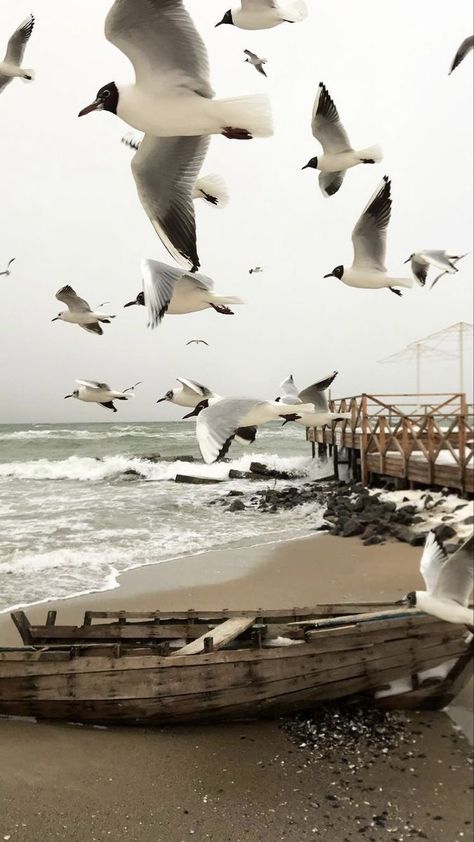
75,435
90,469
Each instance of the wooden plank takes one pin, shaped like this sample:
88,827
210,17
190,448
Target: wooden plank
351,619
23,625
114,631
220,635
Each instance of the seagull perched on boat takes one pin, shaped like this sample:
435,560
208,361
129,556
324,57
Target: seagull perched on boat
319,416
465,48
167,289
79,312
220,419
256,61
369,239
339,156
265,14
171,101
7,271
91,391
449,581
422,260
10,67
210,188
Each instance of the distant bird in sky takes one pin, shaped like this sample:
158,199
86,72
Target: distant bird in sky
167,289
465,48
265,14
422,260
211,188
442,274
79,312
369,239
319,416
448,581
7,271
10,67
219,419
197,342
339,156
256,61
256,271
92,391
172,95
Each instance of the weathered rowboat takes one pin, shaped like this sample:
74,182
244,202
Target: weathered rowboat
165,668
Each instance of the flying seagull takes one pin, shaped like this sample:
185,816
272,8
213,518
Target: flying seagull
197,342
265,14
79,312
256,271
319,415
369,239
448,582
10,67
172,95
442,274
211,188
465,48
167,289
7,271
422,260
218,421
257,62
339,156
91,391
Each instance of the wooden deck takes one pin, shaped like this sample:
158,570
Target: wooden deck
416,439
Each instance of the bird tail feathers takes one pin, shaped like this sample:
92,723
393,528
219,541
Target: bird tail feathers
403,282
246,114
214,190
372,153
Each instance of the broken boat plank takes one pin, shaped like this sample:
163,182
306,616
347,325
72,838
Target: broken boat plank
221,635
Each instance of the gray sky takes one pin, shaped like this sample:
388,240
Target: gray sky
69,211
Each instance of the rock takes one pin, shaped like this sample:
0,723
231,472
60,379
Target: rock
325,527
235,493
352,527
131,473
265,471
233,474
185,459
418,519
389,505
403,533
409,510
443,532
359,504
404,518
373,539
196,480
236,506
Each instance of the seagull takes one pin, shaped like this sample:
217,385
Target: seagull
255,271
319,416
257,62
218,421
172,95
422,260
339,155
448,582
465,48
441,275
190,394
10,66
197,342
369,240
79,312
211,188
167,289
91,391
265,14
7,271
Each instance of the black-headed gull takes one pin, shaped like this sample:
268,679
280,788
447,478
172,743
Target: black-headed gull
79,312
320,415
422,260
92,391
256,61
339,156
465,48
7,272
265,14
448,580
369,239
10,67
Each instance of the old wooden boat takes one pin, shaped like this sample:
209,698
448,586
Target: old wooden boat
165,668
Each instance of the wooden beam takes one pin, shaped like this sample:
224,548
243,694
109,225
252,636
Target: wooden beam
219,637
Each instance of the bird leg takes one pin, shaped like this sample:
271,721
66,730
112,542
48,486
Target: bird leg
224,311
236,134
396,292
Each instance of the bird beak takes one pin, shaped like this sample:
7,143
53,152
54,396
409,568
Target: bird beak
56,318
407,260
94,106
130,304
219,24
403,601
306,167
68,396
331,275
161,399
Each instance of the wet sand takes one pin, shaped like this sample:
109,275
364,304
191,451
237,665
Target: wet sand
235,782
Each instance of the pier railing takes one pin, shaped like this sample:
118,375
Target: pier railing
425,438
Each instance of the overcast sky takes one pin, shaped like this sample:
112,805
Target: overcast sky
70,214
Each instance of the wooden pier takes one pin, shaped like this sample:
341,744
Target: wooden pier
424,439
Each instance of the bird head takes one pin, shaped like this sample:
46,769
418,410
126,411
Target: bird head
75,394
311,165
409,599
197,410
226,19
409,258
168,397
58,317
140,300
106,100
338,272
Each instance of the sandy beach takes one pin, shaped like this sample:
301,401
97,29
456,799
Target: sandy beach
242,781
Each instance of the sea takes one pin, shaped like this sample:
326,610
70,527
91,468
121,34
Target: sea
80,504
